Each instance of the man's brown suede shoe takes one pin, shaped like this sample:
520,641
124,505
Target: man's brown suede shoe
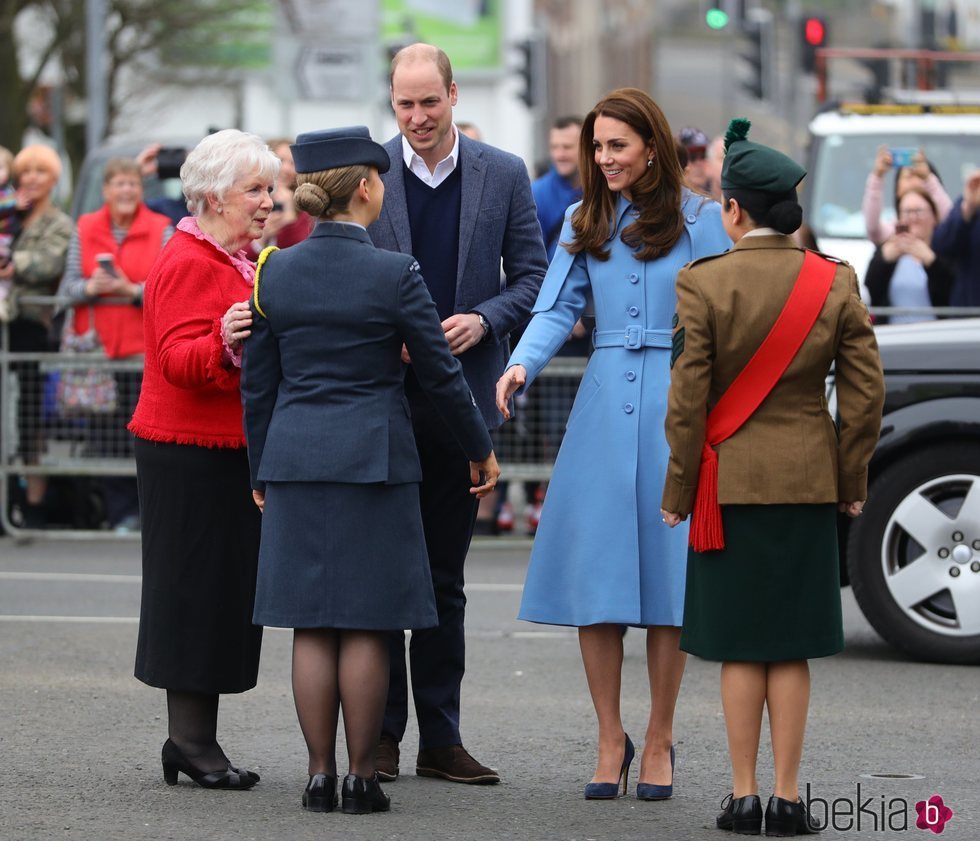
454,764
386,759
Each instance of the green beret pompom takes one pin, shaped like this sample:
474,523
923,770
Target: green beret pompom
752,166
738,129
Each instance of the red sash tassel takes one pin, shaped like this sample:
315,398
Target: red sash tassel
706,529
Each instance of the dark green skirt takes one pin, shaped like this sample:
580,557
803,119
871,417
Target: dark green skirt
773,592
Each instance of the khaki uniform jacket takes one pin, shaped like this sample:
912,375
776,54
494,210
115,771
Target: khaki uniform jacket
789,450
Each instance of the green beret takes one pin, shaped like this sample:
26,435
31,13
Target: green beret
752,166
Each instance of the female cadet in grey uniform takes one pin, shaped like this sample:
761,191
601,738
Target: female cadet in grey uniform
333,458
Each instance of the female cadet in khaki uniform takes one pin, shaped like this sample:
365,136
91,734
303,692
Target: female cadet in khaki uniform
769,599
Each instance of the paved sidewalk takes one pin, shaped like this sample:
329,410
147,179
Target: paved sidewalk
80,737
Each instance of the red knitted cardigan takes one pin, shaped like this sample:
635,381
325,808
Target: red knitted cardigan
189,394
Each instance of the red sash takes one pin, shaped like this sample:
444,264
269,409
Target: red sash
752,386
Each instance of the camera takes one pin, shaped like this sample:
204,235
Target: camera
902,155
169,161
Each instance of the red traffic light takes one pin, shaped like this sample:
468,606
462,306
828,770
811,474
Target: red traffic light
814,31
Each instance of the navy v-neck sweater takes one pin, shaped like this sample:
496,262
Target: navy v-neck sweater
433,216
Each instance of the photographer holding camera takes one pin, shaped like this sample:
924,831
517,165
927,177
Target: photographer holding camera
905,271
164,162
109,258
911,169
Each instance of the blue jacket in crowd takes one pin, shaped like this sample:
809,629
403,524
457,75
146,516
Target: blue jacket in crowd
553,195
959,240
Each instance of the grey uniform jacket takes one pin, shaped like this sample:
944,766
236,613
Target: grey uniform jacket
322,376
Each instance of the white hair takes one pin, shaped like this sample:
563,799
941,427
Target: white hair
219,161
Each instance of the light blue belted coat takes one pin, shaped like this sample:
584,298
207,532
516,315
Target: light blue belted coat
601,552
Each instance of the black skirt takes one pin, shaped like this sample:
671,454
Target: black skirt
200,554
341,555
773,592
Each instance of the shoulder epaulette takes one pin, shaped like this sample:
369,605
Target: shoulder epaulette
829,257
707,257
258,271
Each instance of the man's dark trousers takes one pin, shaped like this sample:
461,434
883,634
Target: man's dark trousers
438,655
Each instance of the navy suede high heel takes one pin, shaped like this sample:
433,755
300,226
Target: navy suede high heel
610,791
652,791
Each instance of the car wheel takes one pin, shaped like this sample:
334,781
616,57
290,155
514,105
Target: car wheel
913,556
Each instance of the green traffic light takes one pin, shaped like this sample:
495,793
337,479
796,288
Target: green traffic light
716,18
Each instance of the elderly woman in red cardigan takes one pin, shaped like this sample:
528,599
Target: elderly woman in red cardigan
110,256
200,526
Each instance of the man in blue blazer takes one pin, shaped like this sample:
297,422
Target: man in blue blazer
463,209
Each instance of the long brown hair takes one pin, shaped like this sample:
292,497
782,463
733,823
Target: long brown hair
656,193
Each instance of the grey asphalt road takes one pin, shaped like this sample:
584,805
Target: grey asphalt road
80,737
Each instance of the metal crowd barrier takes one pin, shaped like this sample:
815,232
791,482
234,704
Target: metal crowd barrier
82,453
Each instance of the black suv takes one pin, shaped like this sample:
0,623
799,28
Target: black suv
913,557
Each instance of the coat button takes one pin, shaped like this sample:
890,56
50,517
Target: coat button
691,218
633,278
633,311
628,408
631,375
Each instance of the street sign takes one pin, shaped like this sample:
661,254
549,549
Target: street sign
335,19
333,72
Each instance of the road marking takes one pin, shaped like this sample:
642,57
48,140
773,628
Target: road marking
494,588
101,620
76,577
134,620
95,578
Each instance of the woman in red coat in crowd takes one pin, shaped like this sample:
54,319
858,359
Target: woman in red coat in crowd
110,257
200,526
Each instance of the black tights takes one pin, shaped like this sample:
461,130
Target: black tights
193,724
334,668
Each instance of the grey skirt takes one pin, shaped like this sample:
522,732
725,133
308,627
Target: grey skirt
338,555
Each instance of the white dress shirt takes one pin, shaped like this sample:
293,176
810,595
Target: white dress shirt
443,169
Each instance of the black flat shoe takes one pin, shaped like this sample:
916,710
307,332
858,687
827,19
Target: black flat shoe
742,815
785,818
362,796
320,794
173,760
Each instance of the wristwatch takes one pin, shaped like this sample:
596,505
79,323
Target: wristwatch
484,324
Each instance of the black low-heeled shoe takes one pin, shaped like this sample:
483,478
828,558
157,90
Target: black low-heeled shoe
362,795
741,815
174,761
785,818
320,794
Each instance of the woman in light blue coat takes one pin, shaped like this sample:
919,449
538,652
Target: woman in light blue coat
602,556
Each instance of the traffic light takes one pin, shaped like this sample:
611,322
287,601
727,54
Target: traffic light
527,71
716,15
757,56
724,14
813,34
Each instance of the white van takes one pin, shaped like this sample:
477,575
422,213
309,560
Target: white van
843,145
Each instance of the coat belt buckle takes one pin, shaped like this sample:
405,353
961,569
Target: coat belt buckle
633,338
